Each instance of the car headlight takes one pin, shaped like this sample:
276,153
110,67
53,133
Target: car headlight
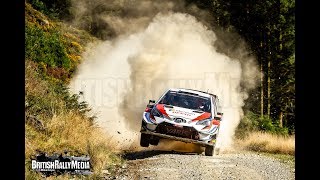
205,122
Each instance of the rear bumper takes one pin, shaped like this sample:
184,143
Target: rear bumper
186,140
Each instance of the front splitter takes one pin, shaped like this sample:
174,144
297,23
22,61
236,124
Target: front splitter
186,140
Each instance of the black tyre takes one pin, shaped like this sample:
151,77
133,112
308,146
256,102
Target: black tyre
144,140
154,142
209,150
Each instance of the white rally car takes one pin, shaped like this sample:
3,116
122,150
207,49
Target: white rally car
185,115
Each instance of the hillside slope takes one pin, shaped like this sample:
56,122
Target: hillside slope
55,121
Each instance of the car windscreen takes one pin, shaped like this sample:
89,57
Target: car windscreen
186,100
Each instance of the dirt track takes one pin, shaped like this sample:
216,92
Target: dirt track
174,165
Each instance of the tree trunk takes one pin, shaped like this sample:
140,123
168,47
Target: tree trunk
261,81
269,88
279,60
281,119
269,73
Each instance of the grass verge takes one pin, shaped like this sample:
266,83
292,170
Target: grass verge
73,133
269,143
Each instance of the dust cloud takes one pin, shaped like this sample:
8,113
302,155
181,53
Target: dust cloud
169,50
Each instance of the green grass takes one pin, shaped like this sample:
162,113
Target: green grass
56,46
47,47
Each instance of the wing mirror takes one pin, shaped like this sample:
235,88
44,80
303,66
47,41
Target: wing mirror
219,117
152,101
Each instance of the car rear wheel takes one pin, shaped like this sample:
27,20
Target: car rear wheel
209,150
144,140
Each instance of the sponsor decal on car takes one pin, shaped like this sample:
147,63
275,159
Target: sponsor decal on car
182,112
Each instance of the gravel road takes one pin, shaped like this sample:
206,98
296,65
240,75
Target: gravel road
174,165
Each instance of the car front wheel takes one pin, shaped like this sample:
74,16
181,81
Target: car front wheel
209,150
144,140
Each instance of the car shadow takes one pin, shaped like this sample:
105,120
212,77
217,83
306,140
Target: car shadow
150,153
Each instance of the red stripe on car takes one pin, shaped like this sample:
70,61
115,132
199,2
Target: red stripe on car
205,115
160,107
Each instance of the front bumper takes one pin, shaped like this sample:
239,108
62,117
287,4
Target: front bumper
189,131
